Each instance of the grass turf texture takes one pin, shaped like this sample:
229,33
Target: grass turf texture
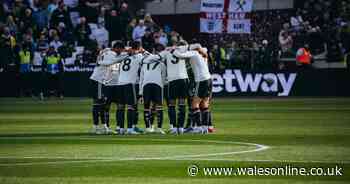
46,142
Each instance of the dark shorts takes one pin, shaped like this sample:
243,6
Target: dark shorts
152,93
203,89
127,94
178,89
98,92
111,93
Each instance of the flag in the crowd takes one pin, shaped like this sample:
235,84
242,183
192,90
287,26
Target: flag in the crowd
240,6
211,25
239,26
219,17
212,5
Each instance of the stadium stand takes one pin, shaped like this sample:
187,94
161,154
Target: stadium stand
77,29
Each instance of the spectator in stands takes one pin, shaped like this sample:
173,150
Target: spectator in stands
148,41
174,37
11,24
56,43
18,8
27,21
230,53
66,50
7,44
304,57
139,31
43,43
161,37
124,18
149,23
218,55
264,57
65,34
41,17
130,28
90,52
113,26
82,32
61,14
28,41
89,9
286,42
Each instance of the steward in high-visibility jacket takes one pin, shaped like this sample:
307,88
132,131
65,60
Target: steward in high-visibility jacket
304,56
25,57
52,62
53,73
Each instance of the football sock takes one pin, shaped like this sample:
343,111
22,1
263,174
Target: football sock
181,115
210,123
189,119
102,116
196,117
205,116
172,115
147,118
136,118
106,118
95,114
131,117
120,117
160,118
153,115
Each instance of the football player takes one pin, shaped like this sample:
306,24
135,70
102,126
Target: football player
152,79
127,95
177,88
203,88
102,74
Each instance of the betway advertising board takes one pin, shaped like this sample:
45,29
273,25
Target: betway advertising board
281,83
236,82
228,83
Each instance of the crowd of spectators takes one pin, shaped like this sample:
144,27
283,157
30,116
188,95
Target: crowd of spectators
32,32
76,29
324,25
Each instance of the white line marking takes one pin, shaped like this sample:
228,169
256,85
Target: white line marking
199,157
258,147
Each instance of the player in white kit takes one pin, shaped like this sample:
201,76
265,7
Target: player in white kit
103,74
152,79
178,85
127,94
203,88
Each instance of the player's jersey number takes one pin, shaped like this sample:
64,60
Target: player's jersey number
126,65
150,67
174,60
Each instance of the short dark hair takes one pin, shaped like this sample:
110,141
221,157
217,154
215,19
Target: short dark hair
118,45
135,44
159,47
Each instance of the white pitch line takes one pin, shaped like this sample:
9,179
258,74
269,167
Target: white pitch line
258,147
281,161
201,159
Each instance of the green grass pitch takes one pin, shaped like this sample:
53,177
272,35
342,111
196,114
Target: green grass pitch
47,142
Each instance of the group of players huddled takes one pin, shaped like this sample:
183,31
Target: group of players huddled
127,76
